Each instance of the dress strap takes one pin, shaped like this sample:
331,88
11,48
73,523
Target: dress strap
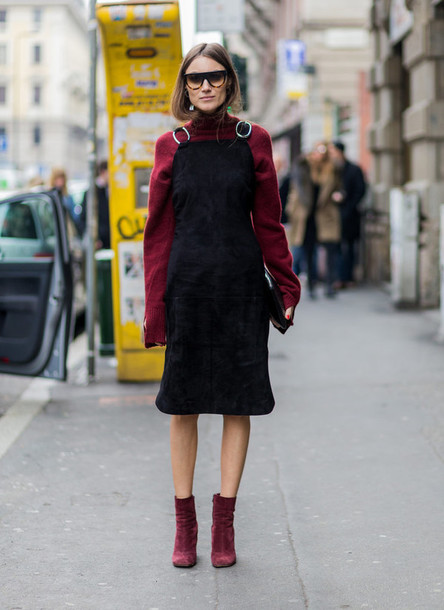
243,129
177,139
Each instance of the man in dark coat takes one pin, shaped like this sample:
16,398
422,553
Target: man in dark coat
354,187
102,190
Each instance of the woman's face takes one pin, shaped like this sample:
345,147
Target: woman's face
60,182
212,93
319,152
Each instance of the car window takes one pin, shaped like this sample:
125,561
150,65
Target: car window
46,218
27,229
18,221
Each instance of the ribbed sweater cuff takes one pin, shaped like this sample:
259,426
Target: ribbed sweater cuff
289,300
155,325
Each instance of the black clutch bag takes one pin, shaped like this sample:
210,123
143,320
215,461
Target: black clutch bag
276,303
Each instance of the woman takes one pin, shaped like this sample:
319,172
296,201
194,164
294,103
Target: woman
58,180
213,218
313,211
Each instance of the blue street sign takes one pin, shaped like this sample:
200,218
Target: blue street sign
3,142
294,55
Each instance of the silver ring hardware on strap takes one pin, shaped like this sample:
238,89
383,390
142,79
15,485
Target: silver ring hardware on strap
181,129
243,135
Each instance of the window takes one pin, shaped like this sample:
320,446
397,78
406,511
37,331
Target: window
2,18
37,18
37,135
47,223
18,221
3,139
2,94
37,54
27,229
37,95
3,55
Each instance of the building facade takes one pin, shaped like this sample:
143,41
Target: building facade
407,140
337,59
338,49
44,61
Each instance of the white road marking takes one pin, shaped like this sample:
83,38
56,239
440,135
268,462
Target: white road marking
33,399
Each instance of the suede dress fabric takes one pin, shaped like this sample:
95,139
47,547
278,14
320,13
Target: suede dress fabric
216,314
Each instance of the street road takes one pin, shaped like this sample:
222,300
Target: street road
341,505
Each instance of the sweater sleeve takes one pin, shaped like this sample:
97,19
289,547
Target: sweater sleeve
157,240
266,218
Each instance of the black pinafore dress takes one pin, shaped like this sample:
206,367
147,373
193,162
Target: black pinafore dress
217,319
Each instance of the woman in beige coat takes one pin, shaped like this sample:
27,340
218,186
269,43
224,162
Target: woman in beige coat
313,213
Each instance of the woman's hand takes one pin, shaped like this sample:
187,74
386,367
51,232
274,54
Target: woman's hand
144,330
289,313
337,196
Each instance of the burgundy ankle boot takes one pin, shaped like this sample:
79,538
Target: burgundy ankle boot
223,554
184,554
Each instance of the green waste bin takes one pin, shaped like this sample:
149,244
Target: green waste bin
105,301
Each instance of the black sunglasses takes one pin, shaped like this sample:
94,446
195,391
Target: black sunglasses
195,80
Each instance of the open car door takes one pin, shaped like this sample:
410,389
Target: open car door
36,286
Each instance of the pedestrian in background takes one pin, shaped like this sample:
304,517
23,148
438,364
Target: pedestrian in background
102,190
313,211
59,181
300,232
354,187
283,177
213,218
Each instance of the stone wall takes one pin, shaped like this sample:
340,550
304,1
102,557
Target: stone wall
407,136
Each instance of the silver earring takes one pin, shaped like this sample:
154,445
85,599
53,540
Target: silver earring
191,107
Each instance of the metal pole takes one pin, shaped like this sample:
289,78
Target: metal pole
91,223
440,336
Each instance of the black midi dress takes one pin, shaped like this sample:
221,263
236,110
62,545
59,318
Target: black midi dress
217,318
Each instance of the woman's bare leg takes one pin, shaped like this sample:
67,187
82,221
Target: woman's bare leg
235,437
183,441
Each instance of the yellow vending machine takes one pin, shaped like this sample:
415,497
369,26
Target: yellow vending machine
142,52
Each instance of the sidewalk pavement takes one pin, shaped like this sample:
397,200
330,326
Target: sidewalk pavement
341,504
11,388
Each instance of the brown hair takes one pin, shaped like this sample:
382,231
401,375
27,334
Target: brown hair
58,172
180,101
102,167
321,169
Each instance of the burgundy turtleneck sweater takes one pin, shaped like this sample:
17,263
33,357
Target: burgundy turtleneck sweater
159,229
